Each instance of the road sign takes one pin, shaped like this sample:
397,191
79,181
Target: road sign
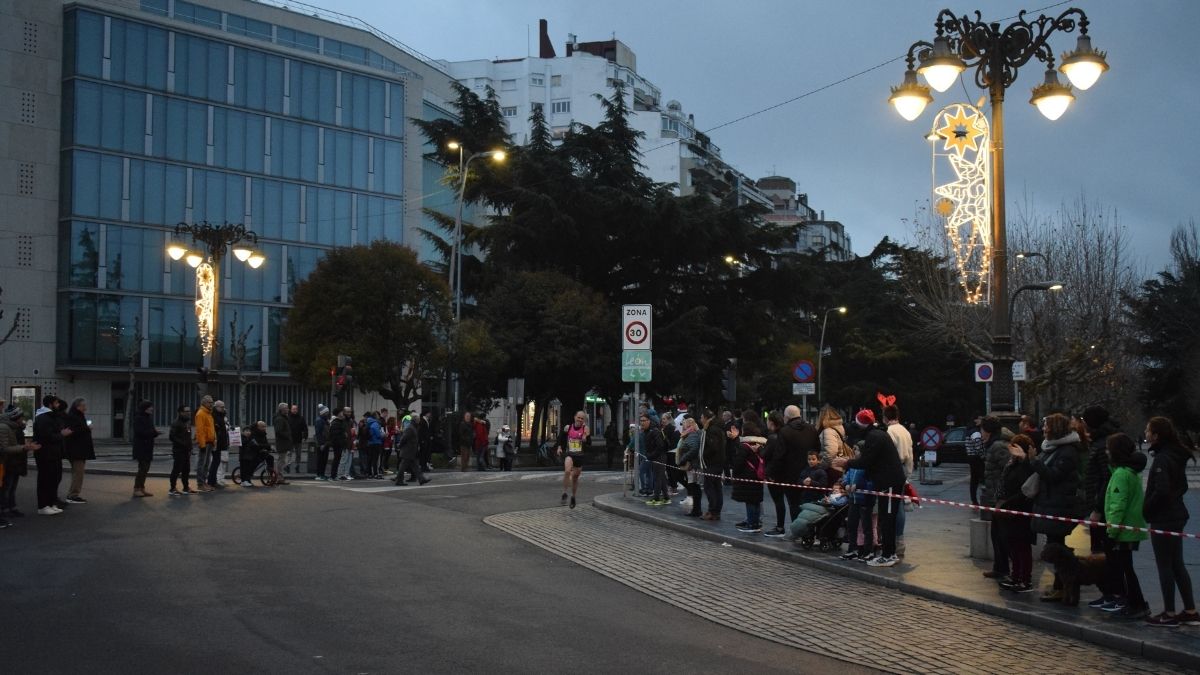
636,324
931,438
803,389
983,372
803,371
1018,371
636,365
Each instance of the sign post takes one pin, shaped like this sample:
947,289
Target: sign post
930,440
803,373
637,323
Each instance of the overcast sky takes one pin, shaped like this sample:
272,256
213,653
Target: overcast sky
1129,143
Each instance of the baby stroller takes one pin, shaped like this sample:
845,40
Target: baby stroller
826,533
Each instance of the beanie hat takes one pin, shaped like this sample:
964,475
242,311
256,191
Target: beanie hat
991,425
1095,416
322,409
13,413
865,417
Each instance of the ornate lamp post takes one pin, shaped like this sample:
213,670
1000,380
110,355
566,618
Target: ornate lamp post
464,163
996,53
209,244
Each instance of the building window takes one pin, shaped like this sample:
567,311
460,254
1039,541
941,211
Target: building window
817,240
537,80
508,85
536,106
556,80
509,111
560,106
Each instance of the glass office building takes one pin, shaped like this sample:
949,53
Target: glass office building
227,111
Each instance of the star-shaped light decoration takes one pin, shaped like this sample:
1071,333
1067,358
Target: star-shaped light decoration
961,131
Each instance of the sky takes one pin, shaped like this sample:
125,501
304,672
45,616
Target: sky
1128,144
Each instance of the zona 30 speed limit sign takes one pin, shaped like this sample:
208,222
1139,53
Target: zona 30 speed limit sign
636,326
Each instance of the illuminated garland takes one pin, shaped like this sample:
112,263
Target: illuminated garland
965,202
206,304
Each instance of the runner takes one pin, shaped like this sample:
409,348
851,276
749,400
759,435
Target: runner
573,440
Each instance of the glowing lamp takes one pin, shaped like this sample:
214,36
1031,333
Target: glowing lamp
1052,98
255,260
911,97
1084,65
942,68
176,250
194,259
242,252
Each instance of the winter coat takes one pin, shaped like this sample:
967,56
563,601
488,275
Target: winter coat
255,445
221,426
745,466
374,432
283,432
833,439
654,444
904,446
1058,468
1096,473
772,453
299,429
180,435
47,430
712,452
339,433
1163,502
79,445
144,434
798,437
321,430
880,460
995,458
820,479
1010,497
466,436
1123,500
206,431
408,443
12,448
689,450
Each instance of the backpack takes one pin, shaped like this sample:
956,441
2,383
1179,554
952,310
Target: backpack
759,468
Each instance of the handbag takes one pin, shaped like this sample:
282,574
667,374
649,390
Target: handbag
1031,485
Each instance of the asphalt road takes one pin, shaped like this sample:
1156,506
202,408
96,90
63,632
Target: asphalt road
316,578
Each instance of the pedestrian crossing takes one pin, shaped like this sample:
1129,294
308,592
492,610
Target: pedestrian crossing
449,479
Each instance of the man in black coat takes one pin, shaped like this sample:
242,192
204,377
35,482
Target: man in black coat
216,470
408,447
880,460
339,440
49,430
144,434
299,429
797,438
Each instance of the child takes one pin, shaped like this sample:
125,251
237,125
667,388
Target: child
748,466
813,476
1123,506
1016,530
811,512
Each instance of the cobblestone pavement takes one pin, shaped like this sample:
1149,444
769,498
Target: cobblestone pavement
802,607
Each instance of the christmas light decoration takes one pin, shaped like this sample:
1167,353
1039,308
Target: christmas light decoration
961,134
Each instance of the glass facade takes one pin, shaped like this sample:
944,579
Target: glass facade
161,126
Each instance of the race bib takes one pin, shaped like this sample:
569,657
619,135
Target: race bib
575,445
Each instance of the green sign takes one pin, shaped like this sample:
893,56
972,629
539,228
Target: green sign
636,365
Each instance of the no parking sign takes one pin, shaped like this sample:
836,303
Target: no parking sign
984,371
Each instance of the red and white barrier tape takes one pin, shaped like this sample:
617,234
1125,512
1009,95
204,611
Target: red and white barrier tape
944,502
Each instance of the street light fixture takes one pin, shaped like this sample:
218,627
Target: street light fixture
209,244
464,163
821,349
995,53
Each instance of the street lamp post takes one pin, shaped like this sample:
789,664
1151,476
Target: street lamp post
464,163
210,242
821,349
996,53
1036,286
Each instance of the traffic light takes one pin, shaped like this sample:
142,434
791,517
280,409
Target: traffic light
729,380
345,378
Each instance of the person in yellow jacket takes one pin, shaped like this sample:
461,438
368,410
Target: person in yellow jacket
1123,506
206,439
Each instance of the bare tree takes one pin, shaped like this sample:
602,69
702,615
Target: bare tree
238,351
11,329
133,353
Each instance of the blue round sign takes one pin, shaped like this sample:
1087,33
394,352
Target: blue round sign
803,371
985,372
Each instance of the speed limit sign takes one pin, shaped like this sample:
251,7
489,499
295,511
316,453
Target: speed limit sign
636,323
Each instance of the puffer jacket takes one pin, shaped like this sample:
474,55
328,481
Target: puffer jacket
1167,483
995,458
1096,473
712,457
689,450
1123,500
1058,469
12,448
798,438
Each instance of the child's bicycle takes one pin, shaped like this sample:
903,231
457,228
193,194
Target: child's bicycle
266,471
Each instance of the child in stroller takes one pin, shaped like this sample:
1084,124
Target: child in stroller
820,520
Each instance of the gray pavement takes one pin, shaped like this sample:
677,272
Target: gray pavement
937,566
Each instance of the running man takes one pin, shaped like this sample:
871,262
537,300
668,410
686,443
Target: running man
573,439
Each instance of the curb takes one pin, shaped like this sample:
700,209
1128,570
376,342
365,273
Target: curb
613,503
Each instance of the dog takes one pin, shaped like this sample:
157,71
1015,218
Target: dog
1073,571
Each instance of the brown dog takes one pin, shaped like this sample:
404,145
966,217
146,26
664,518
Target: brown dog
1073,571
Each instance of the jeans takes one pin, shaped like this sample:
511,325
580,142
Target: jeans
8,491
1121,558
901,518
346,464
216,472
181,467
49,476
1168,557
860,516
139,480
76,477
660,482
776,493
322,459
715,492
754,513
999,548
646,475
1020,552
203,458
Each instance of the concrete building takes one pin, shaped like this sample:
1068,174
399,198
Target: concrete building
565,87
126,117
789,207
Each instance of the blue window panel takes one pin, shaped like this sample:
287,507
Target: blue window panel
340,222
197,66
235,24
155,7
153,189
249,321
306,90
264,207
214,197
393,220
255,137
276,318
360,161
241,58
133,133
354,53
343,155
327,98
375,105
175,195
171,332
207,17
333,48
288,206
137,182
262,284
160,132
84,255
235,198
321,208
185,11
309,146
128,51
301,262
98,328
135,258
89,44
371,227
359,104
296,39
87,111
176,119
397,109
156,58
393,174
221,139
273,83
197,133
288,150
218,70
109,178
199,196
110,118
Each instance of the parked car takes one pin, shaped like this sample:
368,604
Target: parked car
954,446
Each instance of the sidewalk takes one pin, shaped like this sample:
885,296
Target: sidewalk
937,566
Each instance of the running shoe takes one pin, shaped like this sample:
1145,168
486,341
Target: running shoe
49,511
174,493
1189,618
1116,605
1164,620
76,500
741,524
563,502
662,503
247,483
849,555
881,561
1101,601
776,533
750,529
